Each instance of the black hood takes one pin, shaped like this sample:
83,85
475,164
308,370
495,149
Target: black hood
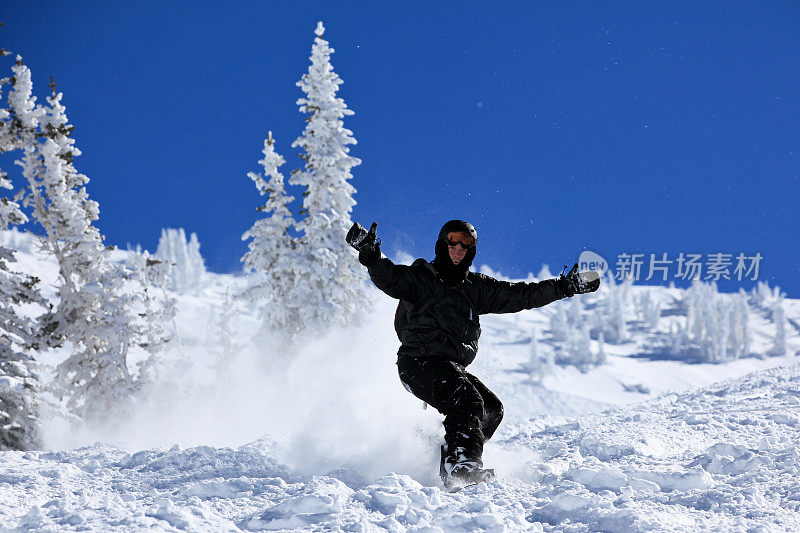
453,274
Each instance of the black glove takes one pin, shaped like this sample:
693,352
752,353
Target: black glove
578,282
366,242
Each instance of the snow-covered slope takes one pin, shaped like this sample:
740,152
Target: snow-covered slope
722,458
322,435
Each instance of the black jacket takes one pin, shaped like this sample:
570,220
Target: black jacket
441,321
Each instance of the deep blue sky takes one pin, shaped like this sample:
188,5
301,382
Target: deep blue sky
619,127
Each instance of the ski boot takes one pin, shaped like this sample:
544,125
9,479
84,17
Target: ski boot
457,472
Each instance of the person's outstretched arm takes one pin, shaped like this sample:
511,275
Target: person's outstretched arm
398,281
505,297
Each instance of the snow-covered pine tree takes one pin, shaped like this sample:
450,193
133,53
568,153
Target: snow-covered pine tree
333,288
222,338
156,315
93,313
559,322
19,334
778,316
19,122
601,348
716,324
540,363
19,382
740,330
649,309
615,325
544,273
186,265
763,296
271,256
576,350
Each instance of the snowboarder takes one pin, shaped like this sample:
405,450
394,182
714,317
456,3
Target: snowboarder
437,322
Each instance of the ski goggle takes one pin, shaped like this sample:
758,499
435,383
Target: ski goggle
465,240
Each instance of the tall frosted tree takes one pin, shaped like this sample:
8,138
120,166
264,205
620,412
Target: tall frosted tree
93,313
333,287
271,252
19,334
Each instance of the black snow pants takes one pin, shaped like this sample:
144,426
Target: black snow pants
472,412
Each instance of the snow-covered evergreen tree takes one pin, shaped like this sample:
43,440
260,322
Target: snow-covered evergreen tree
571,329
576,348
222,338
559,321
156,315
601,348
540,363
271,257
615,325
740,328
93,313
649,310
19,334
333,288
19,121
544,273
763,296
716,324
187,267
779,342
678,338
19,384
